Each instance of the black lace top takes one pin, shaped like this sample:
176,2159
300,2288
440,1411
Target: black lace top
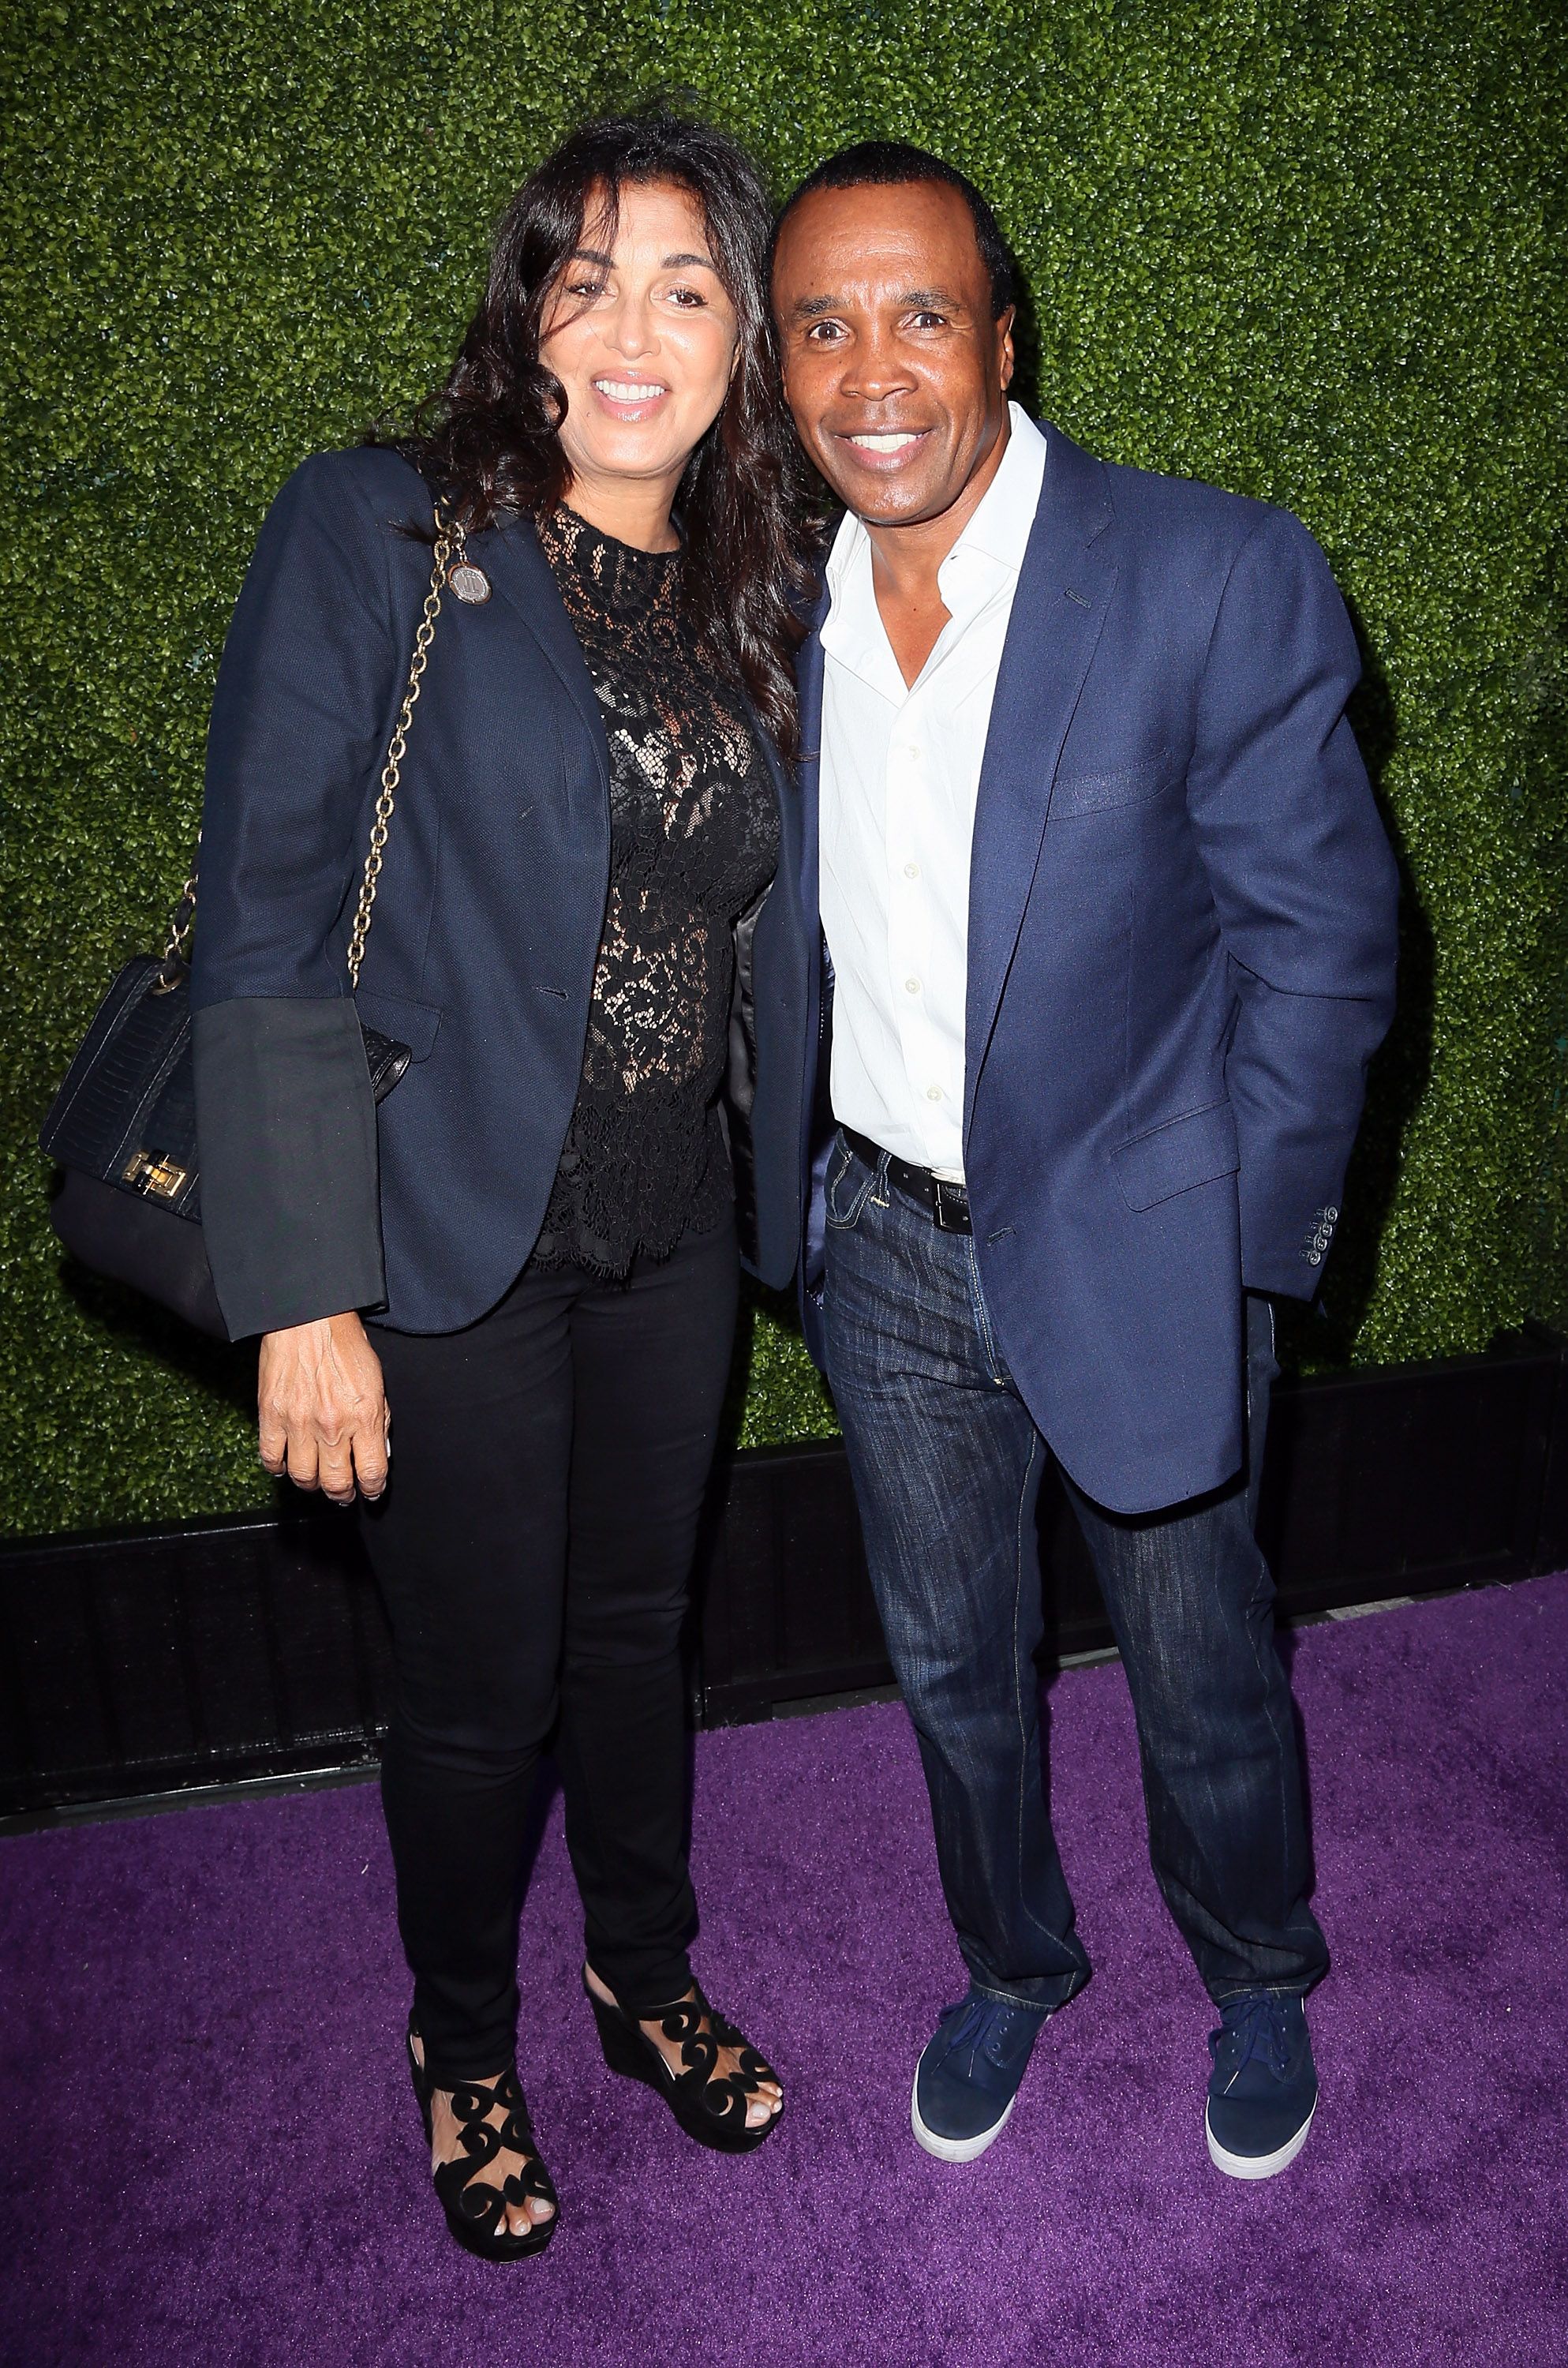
694,837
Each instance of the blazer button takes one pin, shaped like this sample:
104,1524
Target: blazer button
1315,1257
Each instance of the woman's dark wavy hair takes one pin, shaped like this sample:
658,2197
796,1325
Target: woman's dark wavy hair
488,438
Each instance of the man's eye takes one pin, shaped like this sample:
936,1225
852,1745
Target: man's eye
823,333
930,321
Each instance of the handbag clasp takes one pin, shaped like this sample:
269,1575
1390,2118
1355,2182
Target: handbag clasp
153,1174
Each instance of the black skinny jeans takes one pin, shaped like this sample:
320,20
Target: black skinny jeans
534,1549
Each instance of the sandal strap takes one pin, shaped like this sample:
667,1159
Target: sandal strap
482,2140
726,2095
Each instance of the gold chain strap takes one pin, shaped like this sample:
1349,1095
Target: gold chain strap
447,539
183,919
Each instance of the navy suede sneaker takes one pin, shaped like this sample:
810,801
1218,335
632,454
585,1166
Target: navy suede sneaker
967,2080
1263,2091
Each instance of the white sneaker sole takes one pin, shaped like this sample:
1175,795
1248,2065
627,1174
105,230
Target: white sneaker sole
953,2149
1256,2166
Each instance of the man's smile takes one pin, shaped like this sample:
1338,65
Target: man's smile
883,448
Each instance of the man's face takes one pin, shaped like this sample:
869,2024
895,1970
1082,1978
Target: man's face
893,367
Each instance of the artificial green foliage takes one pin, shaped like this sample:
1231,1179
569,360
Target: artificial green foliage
1308,251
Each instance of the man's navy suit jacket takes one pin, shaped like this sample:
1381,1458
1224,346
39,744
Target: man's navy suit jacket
485,932
1182,933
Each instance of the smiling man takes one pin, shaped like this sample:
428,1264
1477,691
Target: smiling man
1109,928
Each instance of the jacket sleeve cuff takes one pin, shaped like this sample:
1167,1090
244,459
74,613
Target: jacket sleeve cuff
286,1136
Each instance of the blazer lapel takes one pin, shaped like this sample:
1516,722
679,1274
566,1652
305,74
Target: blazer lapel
809,679
511,557
1059,612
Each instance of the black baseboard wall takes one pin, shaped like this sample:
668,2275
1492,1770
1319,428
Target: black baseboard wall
211,1653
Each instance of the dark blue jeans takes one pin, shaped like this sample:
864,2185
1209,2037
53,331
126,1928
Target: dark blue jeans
947,1465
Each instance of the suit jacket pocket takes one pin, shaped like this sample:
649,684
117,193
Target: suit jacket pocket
1080,793
414,1024
1174,1157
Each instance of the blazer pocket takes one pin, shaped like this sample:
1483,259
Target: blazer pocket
1174,1157
1079,794
414,1024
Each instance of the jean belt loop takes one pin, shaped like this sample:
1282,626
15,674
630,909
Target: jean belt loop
880,1189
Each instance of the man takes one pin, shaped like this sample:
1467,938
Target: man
1110,923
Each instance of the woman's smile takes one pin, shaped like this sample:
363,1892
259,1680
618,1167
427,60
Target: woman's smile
630,399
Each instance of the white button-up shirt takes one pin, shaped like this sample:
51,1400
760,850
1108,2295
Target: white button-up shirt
900,775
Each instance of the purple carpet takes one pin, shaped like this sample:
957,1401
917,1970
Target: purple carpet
213,2156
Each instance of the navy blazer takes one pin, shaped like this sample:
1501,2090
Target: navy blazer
1182,933
486,933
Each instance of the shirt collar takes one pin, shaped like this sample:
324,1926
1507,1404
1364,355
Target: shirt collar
1002,524
999,531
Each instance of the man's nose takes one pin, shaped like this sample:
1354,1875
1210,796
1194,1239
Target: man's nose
875,369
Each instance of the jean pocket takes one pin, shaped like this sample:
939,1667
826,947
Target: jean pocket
847,1194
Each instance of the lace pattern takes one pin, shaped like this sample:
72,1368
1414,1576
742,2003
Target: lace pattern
694,837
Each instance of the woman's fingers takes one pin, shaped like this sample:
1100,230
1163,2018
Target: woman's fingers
322,1410
272,1441
334,1471
370,1453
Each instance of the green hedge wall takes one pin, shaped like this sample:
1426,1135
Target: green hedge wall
1310,251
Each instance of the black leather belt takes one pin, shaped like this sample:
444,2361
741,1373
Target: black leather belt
946,1204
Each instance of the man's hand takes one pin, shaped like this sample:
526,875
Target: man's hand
323,1418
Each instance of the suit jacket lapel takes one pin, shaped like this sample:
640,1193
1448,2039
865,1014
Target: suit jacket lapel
809,679
511,557
1059,611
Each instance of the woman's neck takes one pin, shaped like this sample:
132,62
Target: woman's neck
635,510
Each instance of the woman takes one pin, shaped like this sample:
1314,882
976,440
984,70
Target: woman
586,814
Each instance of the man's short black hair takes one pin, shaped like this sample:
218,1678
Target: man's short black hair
894,164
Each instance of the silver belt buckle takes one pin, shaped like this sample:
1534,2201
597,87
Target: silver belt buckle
959,1199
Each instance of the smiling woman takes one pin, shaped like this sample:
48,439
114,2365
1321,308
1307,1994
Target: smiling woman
527,1257
635,260
643,336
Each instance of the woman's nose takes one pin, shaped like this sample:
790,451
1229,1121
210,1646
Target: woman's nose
631,328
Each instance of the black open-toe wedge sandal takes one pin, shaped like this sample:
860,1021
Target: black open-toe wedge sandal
709,2107
475,2210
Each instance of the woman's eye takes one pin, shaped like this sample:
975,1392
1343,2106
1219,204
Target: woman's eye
690,299
587,288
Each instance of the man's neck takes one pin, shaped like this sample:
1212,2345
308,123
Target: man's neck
905,562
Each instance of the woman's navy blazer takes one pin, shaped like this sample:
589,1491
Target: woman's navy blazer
486,933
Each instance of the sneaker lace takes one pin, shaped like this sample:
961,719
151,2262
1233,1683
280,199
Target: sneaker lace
1255,2025
974,2021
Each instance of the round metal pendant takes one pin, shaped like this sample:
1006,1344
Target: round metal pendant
469,583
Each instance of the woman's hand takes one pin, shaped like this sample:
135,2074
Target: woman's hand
322,1407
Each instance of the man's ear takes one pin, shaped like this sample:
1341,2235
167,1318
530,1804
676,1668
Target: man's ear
1005,345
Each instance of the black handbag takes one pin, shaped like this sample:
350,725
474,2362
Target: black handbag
122,1127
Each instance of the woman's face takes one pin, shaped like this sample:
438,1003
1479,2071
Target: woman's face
643,337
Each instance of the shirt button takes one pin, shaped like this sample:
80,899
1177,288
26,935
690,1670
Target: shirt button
933,1093
912,871
911,987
